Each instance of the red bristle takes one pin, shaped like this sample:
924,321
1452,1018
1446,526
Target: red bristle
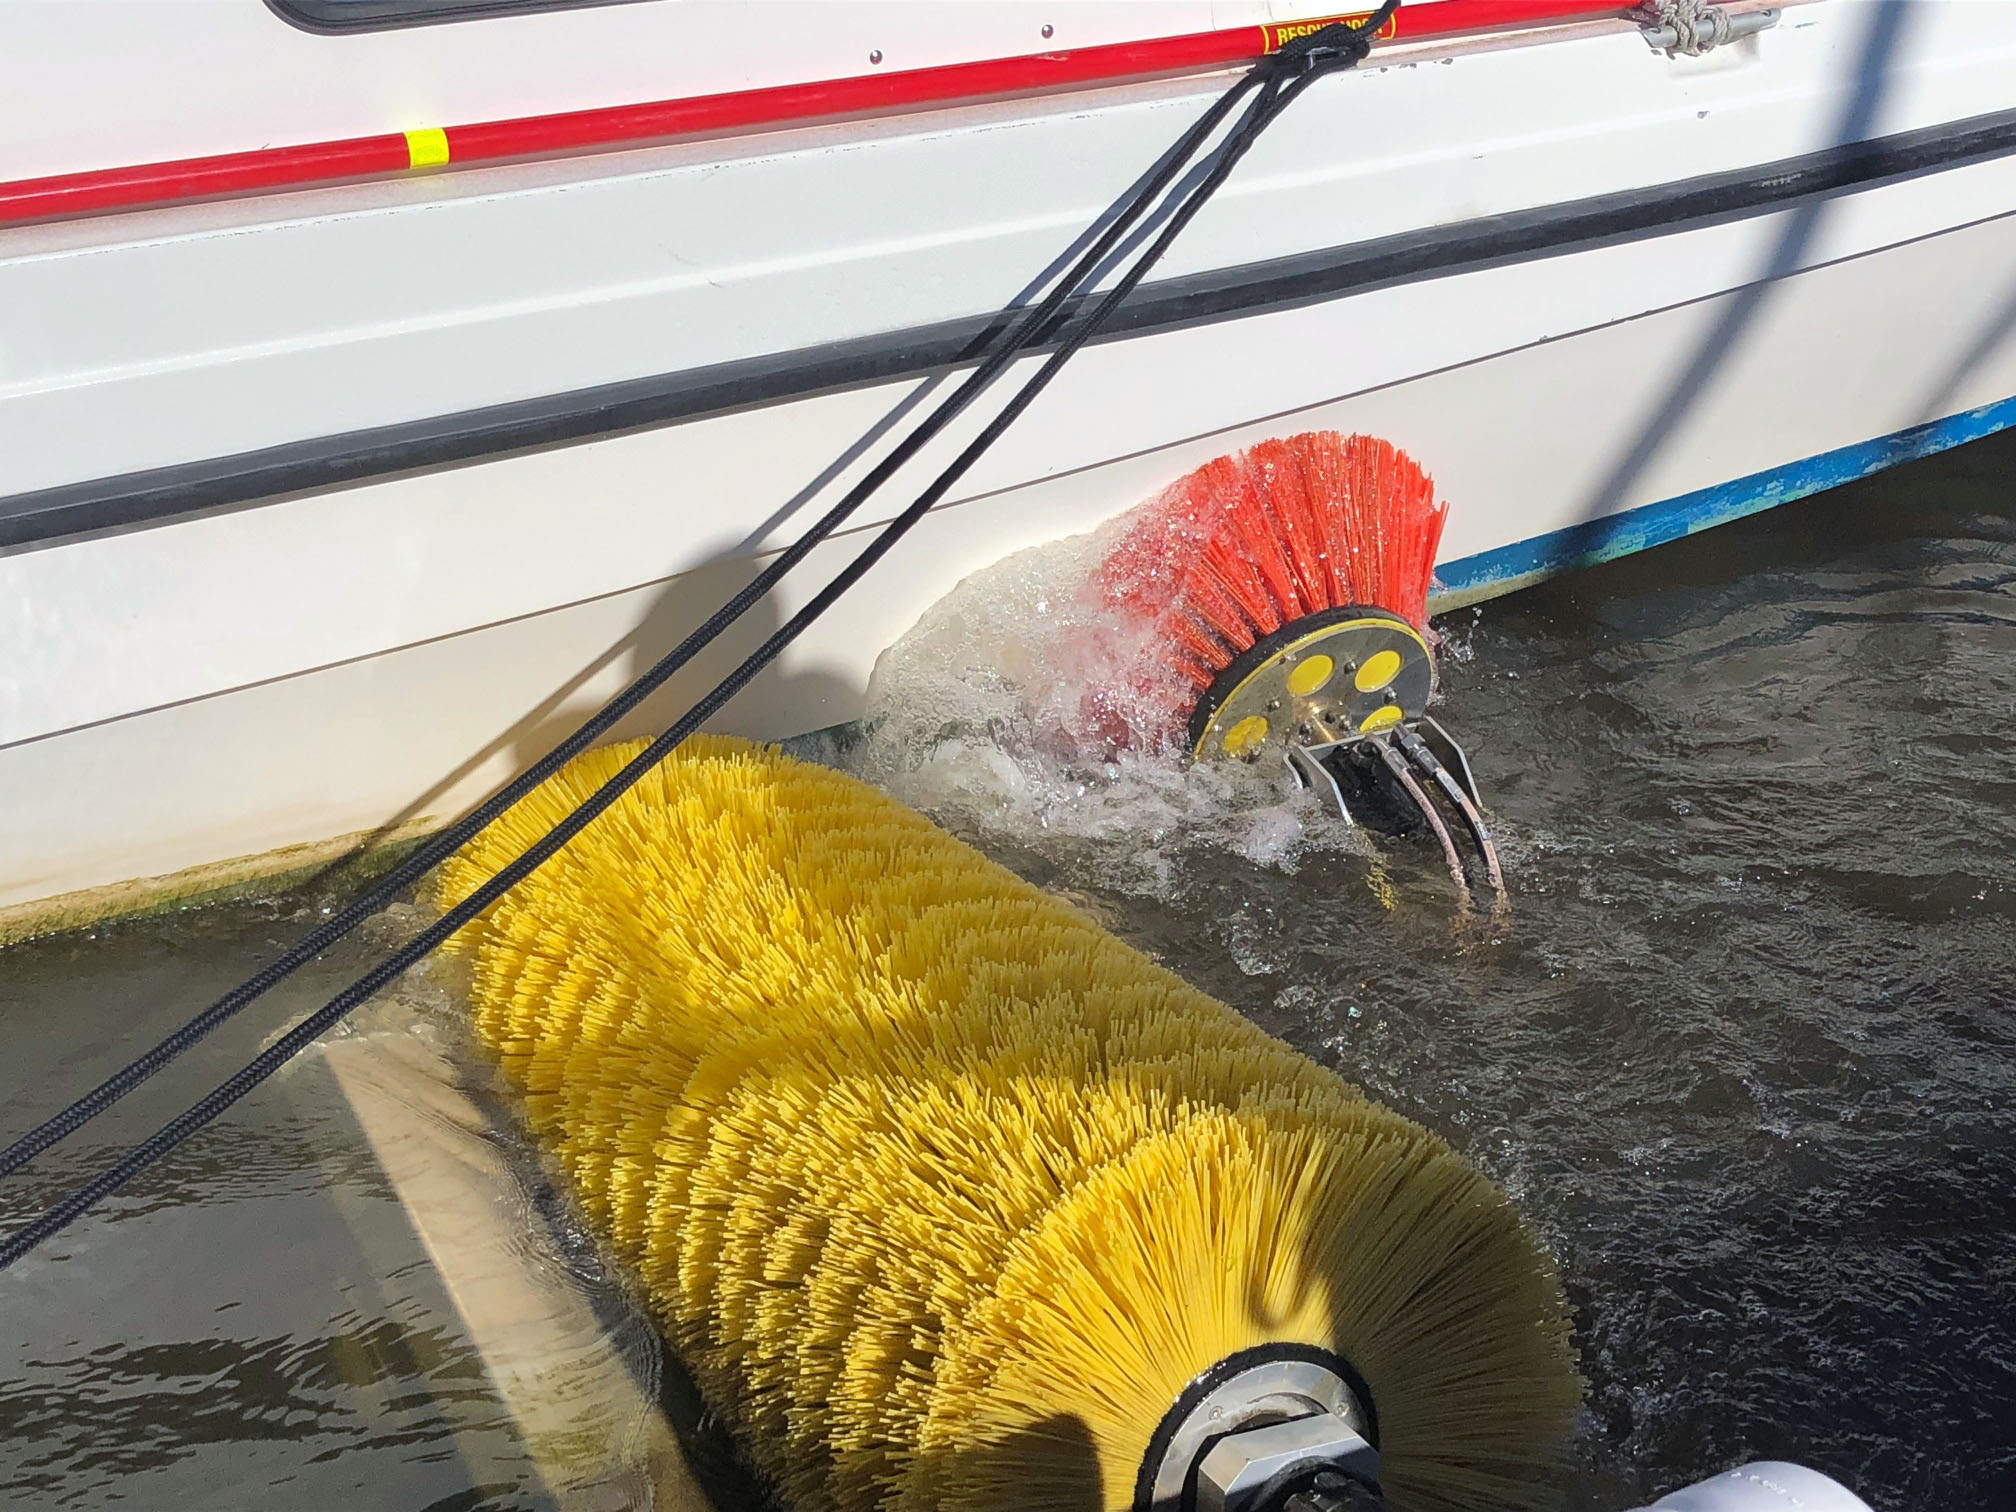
1199,652
1216,602
1296,522
1254,540
1261,538
1258,610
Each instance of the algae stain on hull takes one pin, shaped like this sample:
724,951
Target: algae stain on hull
351,860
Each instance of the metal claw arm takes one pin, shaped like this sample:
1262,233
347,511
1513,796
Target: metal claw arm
1396,763
1409,777
1418,752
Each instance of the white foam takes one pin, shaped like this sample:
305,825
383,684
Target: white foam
1022,704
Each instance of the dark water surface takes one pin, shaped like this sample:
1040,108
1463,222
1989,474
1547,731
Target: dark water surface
1744,1047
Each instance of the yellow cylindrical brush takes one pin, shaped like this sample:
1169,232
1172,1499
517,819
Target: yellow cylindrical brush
951,1200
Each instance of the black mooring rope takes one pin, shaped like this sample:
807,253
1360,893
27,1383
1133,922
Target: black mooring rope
1010,339
1278,79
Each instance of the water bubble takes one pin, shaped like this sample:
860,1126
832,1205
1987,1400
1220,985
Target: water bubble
1025,703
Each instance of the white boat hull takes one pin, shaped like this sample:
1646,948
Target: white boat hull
200,690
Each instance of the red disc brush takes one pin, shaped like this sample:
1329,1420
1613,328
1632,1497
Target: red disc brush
1285,588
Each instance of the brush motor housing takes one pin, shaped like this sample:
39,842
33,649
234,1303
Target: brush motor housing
1259,1428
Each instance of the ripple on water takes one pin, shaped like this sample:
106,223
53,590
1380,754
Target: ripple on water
1744,1047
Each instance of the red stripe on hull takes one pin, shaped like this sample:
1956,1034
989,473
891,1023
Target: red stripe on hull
237,173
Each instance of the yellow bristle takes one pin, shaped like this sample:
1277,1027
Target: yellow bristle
944,1194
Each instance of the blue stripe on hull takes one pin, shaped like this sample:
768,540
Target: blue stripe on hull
1490,573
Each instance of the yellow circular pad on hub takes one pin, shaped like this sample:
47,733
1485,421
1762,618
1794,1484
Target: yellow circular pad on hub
1378,670
1312,673
1246,734
943,1193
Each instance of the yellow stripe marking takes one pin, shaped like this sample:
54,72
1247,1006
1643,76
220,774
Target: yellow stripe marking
426,147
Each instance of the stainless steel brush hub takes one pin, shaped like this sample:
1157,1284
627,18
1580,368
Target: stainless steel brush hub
1327,677
1253,1420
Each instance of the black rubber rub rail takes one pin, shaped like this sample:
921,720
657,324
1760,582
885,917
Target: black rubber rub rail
139,498
1274,83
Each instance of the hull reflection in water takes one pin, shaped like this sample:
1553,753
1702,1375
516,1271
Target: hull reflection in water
1745,1046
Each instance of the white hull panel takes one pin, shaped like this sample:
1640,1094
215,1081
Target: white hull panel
231,684
424,730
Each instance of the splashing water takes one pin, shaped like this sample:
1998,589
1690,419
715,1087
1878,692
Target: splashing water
1026,703
1745,1048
